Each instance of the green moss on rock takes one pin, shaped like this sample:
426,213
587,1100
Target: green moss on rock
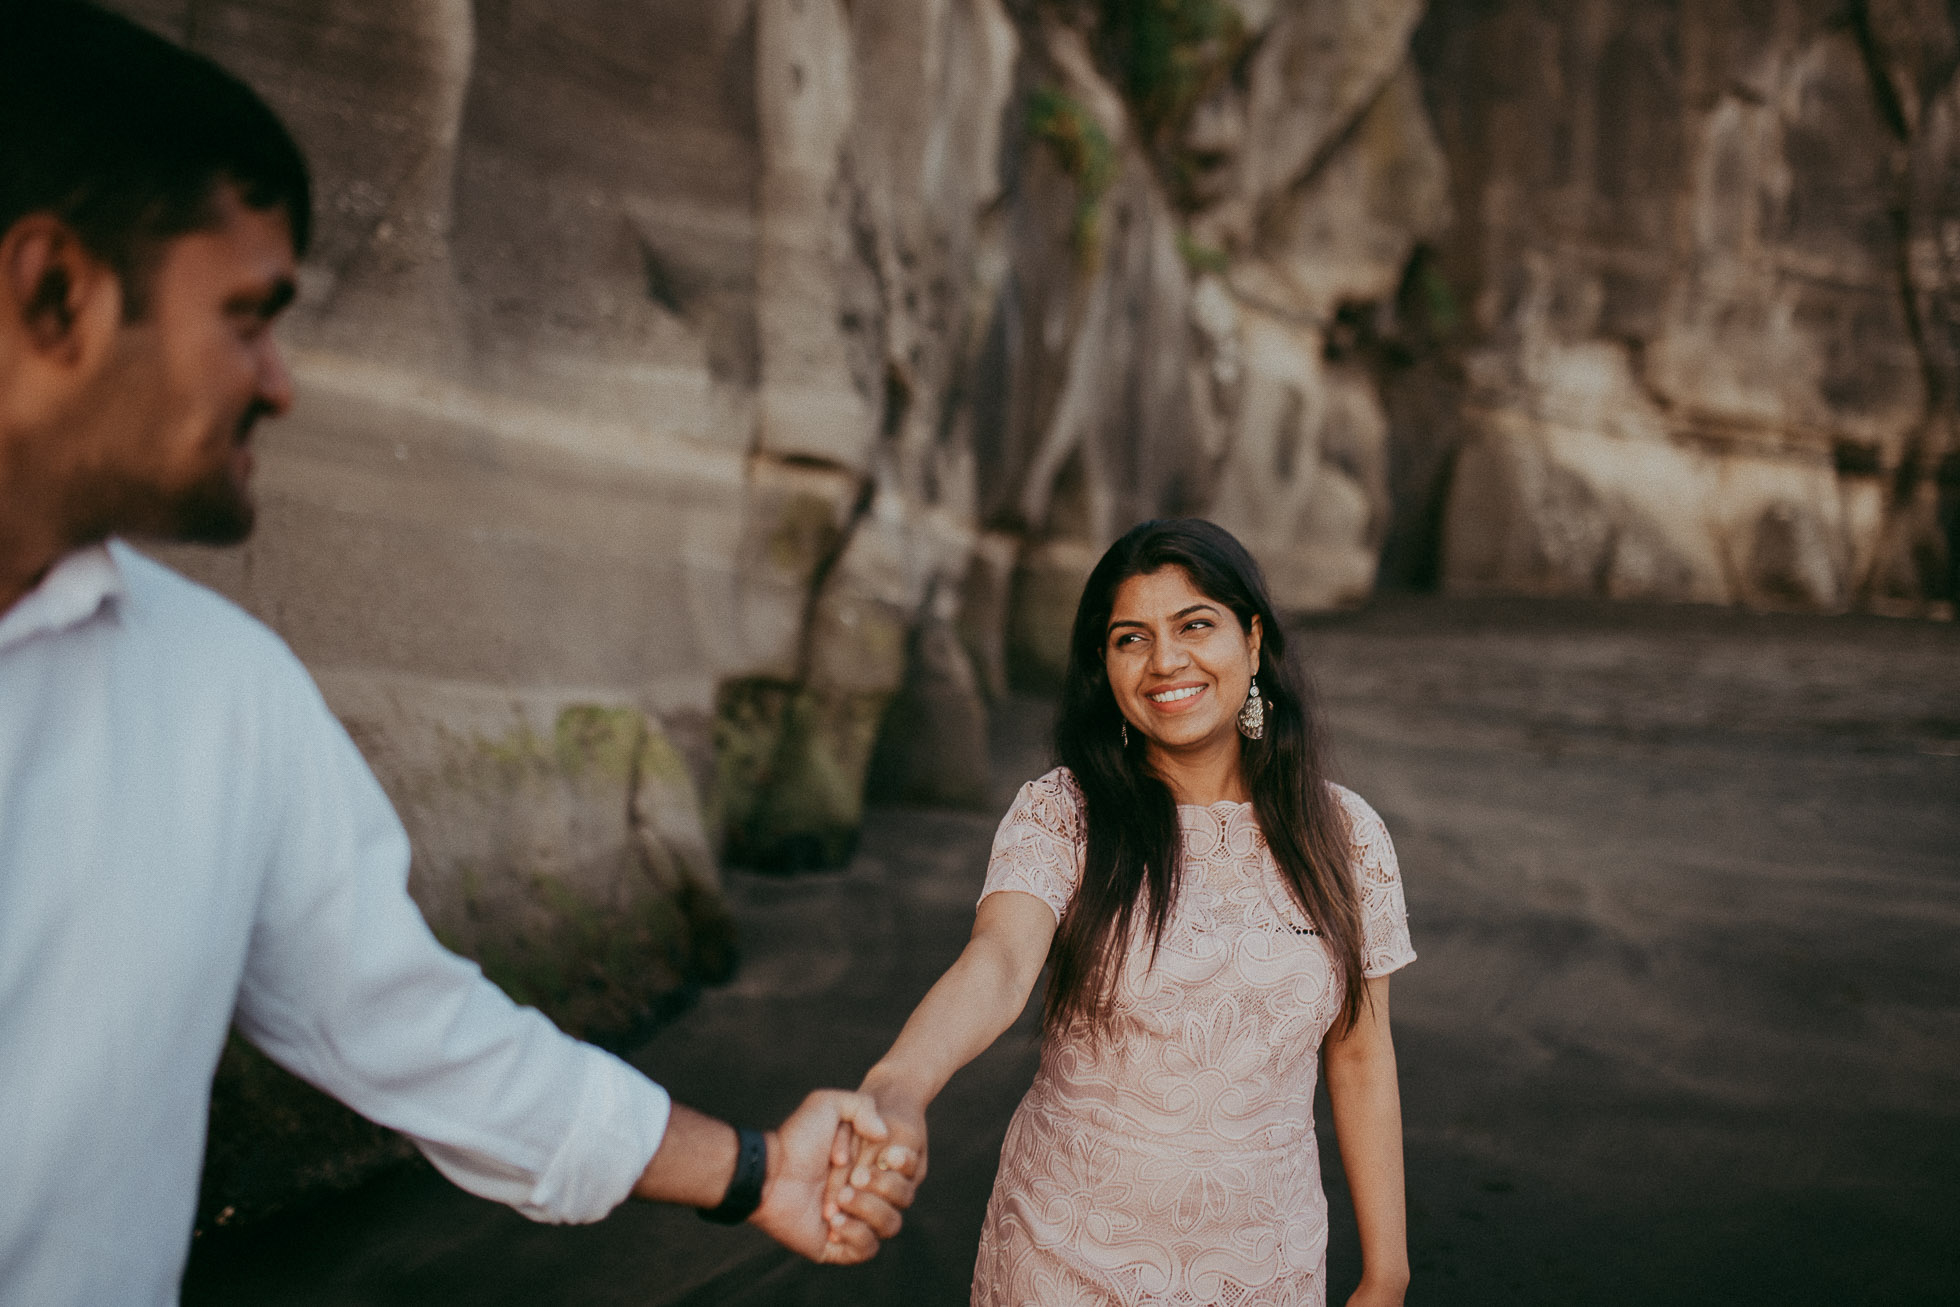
602,741
1200,258
790,766
597,740
805,533
1042,594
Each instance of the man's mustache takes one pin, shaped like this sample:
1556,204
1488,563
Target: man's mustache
254,411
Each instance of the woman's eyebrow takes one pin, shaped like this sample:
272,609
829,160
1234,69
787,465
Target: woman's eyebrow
1177,616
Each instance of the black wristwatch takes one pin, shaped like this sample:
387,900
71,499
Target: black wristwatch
745,1186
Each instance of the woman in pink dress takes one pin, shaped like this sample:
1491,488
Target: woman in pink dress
1220,921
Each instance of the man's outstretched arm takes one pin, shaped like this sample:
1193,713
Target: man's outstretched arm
345,986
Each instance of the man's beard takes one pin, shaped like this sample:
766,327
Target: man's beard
217,509
214,511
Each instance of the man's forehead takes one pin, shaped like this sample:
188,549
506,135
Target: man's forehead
263,230
239,240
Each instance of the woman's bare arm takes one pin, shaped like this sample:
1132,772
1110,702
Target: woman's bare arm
1360,1070
980,996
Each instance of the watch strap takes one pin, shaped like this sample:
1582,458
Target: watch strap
745,1186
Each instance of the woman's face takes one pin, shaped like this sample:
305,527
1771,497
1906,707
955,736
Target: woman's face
1179,662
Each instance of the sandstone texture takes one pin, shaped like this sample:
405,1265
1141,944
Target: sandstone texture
1706,255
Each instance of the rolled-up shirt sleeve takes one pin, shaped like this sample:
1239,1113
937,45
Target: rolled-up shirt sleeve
346,987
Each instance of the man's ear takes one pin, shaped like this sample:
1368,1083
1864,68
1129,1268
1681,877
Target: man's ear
50,283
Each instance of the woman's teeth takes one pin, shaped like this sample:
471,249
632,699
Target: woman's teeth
1172,696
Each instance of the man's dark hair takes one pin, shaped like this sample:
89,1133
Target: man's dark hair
128,138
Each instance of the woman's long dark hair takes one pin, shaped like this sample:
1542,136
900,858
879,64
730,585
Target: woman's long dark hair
1134,847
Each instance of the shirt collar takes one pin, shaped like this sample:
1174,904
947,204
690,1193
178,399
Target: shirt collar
75,589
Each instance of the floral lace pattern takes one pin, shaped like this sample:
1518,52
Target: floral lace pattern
1175,1162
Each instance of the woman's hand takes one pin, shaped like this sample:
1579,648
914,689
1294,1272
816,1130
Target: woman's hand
879,1170
904,1149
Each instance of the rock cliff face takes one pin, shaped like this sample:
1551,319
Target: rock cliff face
1710,256
707,405
1231,179
711,362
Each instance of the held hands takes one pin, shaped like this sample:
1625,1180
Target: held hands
871,1168
800,1209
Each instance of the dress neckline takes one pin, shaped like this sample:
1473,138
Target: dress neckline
1215,805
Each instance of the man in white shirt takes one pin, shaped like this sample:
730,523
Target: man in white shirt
187,837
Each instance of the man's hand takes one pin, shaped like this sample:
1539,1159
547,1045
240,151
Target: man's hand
821,1136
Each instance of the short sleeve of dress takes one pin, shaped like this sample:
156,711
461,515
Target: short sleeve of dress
1039,846
1385,943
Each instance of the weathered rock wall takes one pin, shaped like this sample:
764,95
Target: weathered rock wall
1708,266
716,362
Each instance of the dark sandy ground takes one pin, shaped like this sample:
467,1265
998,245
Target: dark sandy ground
1685,1027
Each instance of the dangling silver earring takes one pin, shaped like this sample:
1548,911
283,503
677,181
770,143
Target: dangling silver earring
1252,717
1126,735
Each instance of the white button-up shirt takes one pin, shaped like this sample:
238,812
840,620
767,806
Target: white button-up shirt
187,839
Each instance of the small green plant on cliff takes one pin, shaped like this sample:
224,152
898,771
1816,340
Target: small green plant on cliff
1426,301
1201,258
1168,54
1083,150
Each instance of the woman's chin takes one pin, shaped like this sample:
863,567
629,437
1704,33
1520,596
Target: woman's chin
1186,737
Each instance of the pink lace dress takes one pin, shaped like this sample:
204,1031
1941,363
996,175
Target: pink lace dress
1175,1163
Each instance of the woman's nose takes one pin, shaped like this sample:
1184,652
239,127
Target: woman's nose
1167,656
